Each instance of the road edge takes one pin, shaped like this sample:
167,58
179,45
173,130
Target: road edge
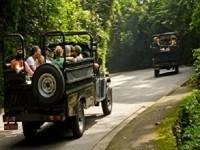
104,142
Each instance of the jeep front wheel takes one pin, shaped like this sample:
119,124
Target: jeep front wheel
107,102
78,121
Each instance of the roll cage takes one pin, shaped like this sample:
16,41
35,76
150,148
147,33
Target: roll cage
91,46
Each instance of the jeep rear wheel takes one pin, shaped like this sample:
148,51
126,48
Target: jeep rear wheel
156,73
78,121
48,84
30,128
107,102
176,69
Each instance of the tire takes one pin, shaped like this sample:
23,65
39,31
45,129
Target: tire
48,84
30,129
176,69
156,73
78,122
107,102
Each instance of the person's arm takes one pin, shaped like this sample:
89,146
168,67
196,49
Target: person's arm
69,58
30,61
40,60
28,69
79,58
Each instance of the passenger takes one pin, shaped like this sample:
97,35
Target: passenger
35,59
156,43
73,53
68,53
59,59
76,53
18,63
68,50
47,56
96,66
172,41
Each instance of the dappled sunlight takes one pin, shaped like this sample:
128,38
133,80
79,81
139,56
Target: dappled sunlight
146,138
141,86
155,92
121,79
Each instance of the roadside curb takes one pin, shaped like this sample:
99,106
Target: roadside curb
104,142
141,132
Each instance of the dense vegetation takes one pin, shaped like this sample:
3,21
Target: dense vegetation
124,27
187,127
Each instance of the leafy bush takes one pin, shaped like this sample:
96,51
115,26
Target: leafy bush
195,79
188,126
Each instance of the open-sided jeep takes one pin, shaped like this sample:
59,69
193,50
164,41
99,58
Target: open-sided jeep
54,94
165,54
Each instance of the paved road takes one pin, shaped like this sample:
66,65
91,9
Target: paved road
132,93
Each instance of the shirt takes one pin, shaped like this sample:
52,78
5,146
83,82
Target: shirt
58,62
32,63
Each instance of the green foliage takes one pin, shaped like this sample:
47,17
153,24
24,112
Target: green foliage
189,123
125,27
164,131
134,23
32,17
195,79
196,56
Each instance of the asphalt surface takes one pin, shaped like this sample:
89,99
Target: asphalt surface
133,92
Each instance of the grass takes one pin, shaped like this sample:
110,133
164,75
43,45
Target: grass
165,139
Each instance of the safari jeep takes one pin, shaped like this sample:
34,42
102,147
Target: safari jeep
165,56
54,94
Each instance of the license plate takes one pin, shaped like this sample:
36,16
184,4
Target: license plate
10,126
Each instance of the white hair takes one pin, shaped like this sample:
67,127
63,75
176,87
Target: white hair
67,50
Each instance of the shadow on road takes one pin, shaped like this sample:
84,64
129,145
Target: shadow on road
50,134
167,74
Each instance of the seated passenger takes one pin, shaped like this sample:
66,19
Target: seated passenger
156,42
73,53
35,59
59,60
76,53
47,56
18,63
68,53
172,41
